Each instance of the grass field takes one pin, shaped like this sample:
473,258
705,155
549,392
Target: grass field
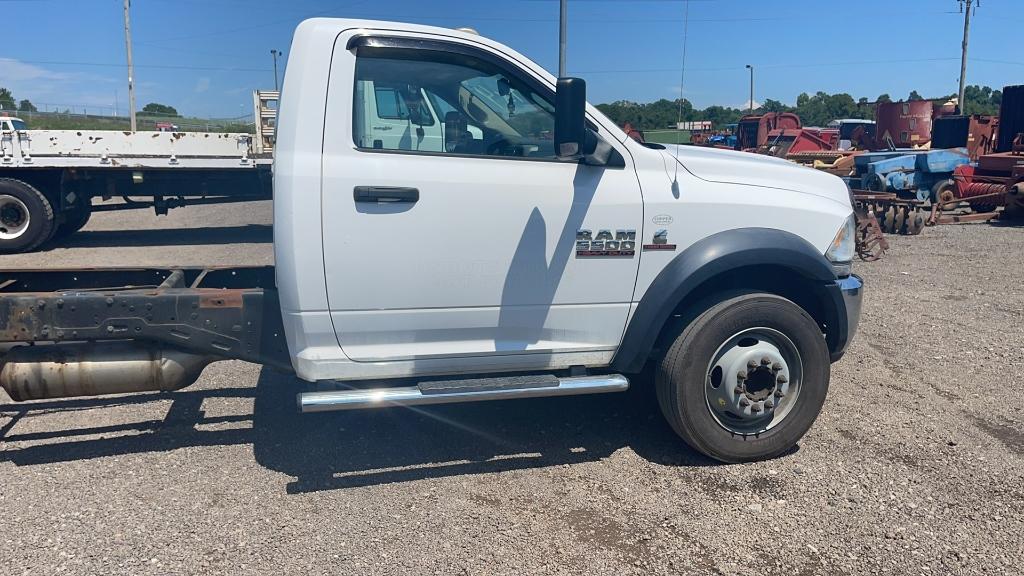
667,136
61,121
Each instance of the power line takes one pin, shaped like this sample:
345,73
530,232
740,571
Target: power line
155,66
775,66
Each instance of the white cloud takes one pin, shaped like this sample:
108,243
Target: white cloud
202,85
15,73
746,105
43,85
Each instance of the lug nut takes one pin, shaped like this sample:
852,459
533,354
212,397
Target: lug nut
779,393
741,375
766,361
738,390
752,364
781,379
755,408
776,367
768,405
744,402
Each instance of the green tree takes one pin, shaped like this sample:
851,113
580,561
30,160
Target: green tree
981,100
27,106
914,96
156,109
657,115
814,110
774,106
6,99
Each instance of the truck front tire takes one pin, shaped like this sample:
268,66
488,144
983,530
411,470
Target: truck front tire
26,217
746,378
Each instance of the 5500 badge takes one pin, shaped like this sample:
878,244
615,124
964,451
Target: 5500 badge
604,243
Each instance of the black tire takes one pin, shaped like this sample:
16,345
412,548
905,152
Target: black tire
682,377
74,221
1014,210
39,217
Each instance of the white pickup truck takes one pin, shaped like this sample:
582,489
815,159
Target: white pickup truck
452,223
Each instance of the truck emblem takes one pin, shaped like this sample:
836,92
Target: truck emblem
662,219
604,243
660,241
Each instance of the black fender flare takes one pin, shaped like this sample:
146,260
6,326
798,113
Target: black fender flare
715,255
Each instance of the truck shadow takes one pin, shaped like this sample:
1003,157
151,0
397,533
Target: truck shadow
337,450
244,234
531,281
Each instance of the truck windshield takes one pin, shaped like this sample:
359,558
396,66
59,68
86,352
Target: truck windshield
19,125
527,114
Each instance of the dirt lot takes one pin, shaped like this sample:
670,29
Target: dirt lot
915,466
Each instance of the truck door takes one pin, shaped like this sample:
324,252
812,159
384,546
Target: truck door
471,251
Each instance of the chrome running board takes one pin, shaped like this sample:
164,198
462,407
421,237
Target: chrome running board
468,390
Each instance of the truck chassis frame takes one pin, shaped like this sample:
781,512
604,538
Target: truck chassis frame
229,313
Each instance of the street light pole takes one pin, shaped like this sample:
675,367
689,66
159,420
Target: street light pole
563,17
131,68
751,103
966,6
275,54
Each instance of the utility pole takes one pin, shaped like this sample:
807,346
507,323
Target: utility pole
751,103
275,54
563,19
965,7
131,68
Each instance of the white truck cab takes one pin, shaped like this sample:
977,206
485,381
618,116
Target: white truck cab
8,123
447,211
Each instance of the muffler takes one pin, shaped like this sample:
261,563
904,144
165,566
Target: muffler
92,369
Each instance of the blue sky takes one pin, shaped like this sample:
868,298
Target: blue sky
205,56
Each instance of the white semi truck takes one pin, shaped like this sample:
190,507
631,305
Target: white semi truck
448,214
48,178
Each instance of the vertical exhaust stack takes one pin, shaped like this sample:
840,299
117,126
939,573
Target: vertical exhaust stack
92,369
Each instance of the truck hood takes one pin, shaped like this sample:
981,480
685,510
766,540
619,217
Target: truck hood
733,167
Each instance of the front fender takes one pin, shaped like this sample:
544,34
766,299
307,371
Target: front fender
712,257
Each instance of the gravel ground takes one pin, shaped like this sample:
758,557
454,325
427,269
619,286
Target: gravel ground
914,467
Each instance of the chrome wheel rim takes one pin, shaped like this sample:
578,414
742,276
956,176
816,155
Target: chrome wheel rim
753,381
14,217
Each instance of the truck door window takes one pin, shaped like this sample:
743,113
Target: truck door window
484,110
402,103
389,104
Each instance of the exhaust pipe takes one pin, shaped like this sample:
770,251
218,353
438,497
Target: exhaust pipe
92,369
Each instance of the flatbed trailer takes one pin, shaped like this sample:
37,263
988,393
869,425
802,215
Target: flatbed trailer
49,178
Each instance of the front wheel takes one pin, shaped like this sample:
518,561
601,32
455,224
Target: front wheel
746,379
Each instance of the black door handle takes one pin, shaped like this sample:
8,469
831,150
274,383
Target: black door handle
379,194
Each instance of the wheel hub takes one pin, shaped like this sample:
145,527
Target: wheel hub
14,217
750,385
